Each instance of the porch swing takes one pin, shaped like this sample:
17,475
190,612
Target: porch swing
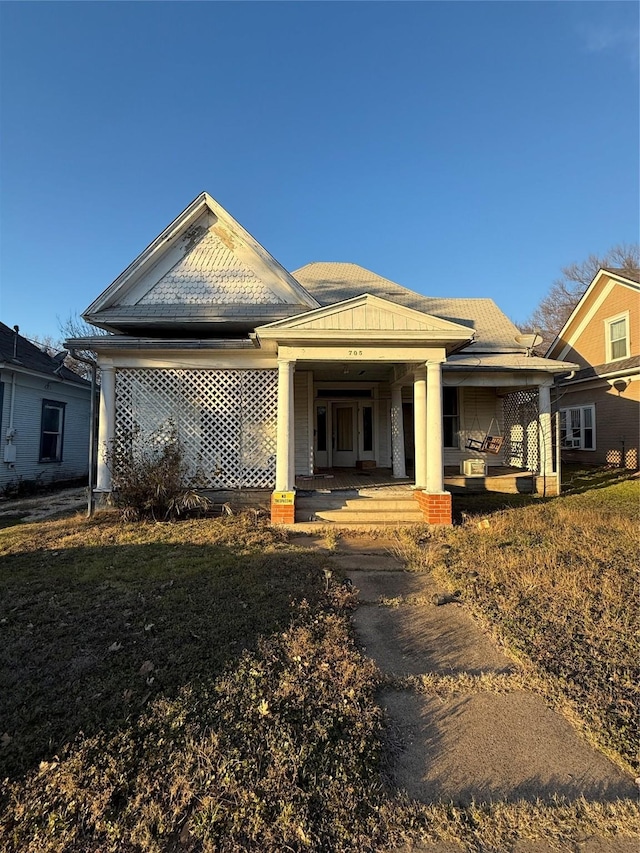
490,443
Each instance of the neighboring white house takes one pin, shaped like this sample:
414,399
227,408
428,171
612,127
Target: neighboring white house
44,415
269,374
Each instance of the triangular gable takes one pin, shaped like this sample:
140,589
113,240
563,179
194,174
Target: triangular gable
204,259
602,284
366,315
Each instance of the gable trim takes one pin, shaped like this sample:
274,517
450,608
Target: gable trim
615,278
124,286
298,326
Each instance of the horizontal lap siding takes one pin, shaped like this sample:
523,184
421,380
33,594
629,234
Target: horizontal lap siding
590,346
27,419
384,427
477,406
617,424
303,431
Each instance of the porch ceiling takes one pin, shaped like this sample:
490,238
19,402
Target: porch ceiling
360,371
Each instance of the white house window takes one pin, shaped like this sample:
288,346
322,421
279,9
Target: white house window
52,431
578,428
617,337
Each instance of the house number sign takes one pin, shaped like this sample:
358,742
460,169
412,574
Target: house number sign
355,352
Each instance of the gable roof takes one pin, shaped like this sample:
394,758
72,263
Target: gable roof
203,268
627,278
368,318
31,358
336,282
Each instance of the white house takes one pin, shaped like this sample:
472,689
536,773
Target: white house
44,415
269,375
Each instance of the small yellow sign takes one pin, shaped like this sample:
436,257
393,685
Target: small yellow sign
283,498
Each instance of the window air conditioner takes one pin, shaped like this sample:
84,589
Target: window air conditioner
474,468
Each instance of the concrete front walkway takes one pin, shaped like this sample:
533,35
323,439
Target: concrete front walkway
467,731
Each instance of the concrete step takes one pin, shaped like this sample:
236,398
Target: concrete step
359,503
356,516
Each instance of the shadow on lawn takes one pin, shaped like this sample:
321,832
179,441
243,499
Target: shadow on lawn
90,635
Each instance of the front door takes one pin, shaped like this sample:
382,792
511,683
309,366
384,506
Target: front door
344,436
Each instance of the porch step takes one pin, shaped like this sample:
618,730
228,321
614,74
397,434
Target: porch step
359,509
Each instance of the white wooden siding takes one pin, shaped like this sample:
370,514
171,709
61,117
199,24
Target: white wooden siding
27,418
477,406
303,430
384,426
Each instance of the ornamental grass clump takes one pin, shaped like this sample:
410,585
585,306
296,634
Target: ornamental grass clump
151,477
281,752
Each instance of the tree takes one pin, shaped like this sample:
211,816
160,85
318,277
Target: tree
76,327
554,309
72,327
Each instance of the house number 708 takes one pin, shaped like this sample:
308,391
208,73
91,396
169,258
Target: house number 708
355,352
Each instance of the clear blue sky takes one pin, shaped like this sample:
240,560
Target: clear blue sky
460,149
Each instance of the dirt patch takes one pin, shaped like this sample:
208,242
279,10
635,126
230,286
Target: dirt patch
42,506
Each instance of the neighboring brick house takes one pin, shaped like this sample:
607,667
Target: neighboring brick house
598,404
44,415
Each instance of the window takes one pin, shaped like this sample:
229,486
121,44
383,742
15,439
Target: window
367,429
578,428
321,434
617,337
51,431
450,417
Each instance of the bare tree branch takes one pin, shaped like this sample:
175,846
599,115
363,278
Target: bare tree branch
554,309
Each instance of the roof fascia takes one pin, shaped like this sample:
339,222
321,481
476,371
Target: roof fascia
102,343
601,274
40,374
191,212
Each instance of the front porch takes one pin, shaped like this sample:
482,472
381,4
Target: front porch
499,478
375,497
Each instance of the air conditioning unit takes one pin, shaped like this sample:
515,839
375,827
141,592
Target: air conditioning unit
473,468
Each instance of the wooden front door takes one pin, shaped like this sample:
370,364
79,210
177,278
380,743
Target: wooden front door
344,434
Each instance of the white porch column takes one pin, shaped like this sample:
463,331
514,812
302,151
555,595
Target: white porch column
544,414
107,426
435,451
285,445
397,432
420,426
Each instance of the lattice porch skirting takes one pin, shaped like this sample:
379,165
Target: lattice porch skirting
225,419
520,412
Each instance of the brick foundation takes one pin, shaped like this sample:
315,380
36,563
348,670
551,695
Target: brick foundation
435,506
282,513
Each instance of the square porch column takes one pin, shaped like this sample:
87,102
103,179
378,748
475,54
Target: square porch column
397,433
282,499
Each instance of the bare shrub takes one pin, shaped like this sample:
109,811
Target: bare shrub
150,477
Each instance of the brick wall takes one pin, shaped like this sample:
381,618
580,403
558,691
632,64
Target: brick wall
436,507
282,513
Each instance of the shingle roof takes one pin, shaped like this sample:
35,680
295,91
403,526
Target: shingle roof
335,282
31,357
623,365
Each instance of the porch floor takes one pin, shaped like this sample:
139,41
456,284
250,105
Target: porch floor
499,478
